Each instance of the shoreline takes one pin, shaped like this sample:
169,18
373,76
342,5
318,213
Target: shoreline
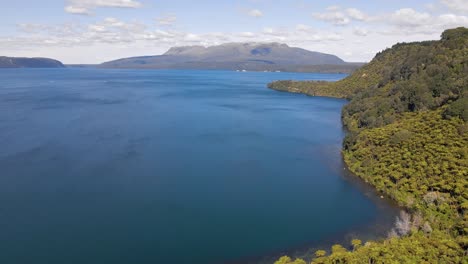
310,95
376,229
407,140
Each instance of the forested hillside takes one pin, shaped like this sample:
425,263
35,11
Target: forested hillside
408,137
12,62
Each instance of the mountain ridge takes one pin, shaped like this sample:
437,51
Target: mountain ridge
251,56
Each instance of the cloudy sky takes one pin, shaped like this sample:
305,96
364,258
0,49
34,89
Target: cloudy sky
93,31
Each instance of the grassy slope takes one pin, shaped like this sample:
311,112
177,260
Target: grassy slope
408,136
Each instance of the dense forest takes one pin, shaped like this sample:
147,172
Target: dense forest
407,136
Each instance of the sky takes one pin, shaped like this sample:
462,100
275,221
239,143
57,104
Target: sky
95,31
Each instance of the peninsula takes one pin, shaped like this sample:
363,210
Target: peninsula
408,137
13,62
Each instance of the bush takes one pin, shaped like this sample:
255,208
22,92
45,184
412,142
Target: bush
458,108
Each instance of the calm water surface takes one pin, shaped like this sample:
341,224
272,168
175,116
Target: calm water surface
125,166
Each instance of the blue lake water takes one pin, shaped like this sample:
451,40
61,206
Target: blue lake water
143,166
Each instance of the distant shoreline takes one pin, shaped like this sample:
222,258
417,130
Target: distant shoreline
332,69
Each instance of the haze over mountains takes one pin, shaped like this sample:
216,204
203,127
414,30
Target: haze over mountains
237,56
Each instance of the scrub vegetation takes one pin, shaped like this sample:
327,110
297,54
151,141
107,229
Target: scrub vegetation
408,137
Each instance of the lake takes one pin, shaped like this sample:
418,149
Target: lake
155,166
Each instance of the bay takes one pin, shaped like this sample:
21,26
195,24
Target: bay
156,166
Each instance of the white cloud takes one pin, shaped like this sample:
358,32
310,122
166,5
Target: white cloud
97,28
333,8
255,13
451,20
409,21
85,7
190,37
167,20
304,28
408,17
401,21
269,31
247,34
430,7
29,27
328,37
116,32
361,32
456,5
337,18
77,10
113,22
356,14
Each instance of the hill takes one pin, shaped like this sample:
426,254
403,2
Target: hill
239,56
408,137
12,62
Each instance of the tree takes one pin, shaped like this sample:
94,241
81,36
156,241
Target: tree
356,243
320,253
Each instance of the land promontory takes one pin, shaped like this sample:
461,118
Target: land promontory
407,123
13,62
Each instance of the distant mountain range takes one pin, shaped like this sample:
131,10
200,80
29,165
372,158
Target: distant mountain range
11,62
238,56
230,56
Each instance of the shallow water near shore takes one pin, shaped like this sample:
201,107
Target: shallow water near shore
155,166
